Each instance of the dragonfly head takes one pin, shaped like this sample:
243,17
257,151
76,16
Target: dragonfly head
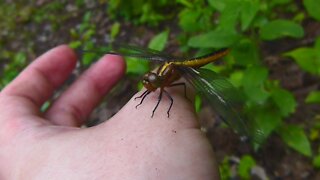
151,81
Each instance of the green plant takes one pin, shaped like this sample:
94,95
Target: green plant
224,169
243,26
82,38
245,165
316,161
308,58
12,69
140,11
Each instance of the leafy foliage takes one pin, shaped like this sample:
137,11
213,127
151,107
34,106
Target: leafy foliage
307,58
12,70
159,41
140,11
316,162
206,25
281,28
225,169
295,137
245,165
312,6
268,104
313,97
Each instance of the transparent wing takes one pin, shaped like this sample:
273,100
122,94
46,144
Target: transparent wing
140,52
154,55
130,51
222,96
149,54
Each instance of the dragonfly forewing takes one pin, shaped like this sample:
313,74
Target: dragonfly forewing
222,97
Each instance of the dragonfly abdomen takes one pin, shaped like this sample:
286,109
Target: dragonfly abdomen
202,60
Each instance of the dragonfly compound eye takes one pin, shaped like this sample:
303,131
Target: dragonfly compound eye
152,77
151,81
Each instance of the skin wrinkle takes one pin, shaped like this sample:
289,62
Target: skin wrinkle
79,114
15,106
14,91
72,111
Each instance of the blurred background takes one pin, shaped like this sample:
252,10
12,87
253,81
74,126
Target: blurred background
274,61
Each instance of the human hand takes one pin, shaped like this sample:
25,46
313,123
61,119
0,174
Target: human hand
130,145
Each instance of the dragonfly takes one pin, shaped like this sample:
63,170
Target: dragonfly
218,91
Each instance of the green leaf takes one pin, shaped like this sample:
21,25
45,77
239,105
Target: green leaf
266,121
136,66
140,86
88,34
87,16
225,169
233,11
159,41
115,28
88,58
284,100
316,161
313,7
197,103
317,43
45,106
253,84
314,134
281,28
187,20
186,3
295,137
246,53
307,58
313,97
20,58
249,9
214,39
245,166
230,15
236,78
217,4
195,19
75,44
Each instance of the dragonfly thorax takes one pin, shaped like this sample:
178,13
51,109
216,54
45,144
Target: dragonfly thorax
165,76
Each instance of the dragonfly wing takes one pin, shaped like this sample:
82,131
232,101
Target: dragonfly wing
130,51
139,52
221,95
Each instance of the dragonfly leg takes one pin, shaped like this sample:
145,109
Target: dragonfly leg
159,99
146,91
171,103
143,96
185,88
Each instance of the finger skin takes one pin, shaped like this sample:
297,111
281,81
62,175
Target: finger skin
77,102
131,145
33,86
173,147
21,100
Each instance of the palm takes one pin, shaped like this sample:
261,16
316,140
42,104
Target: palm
130,145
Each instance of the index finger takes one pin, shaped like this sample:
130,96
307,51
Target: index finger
33,86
